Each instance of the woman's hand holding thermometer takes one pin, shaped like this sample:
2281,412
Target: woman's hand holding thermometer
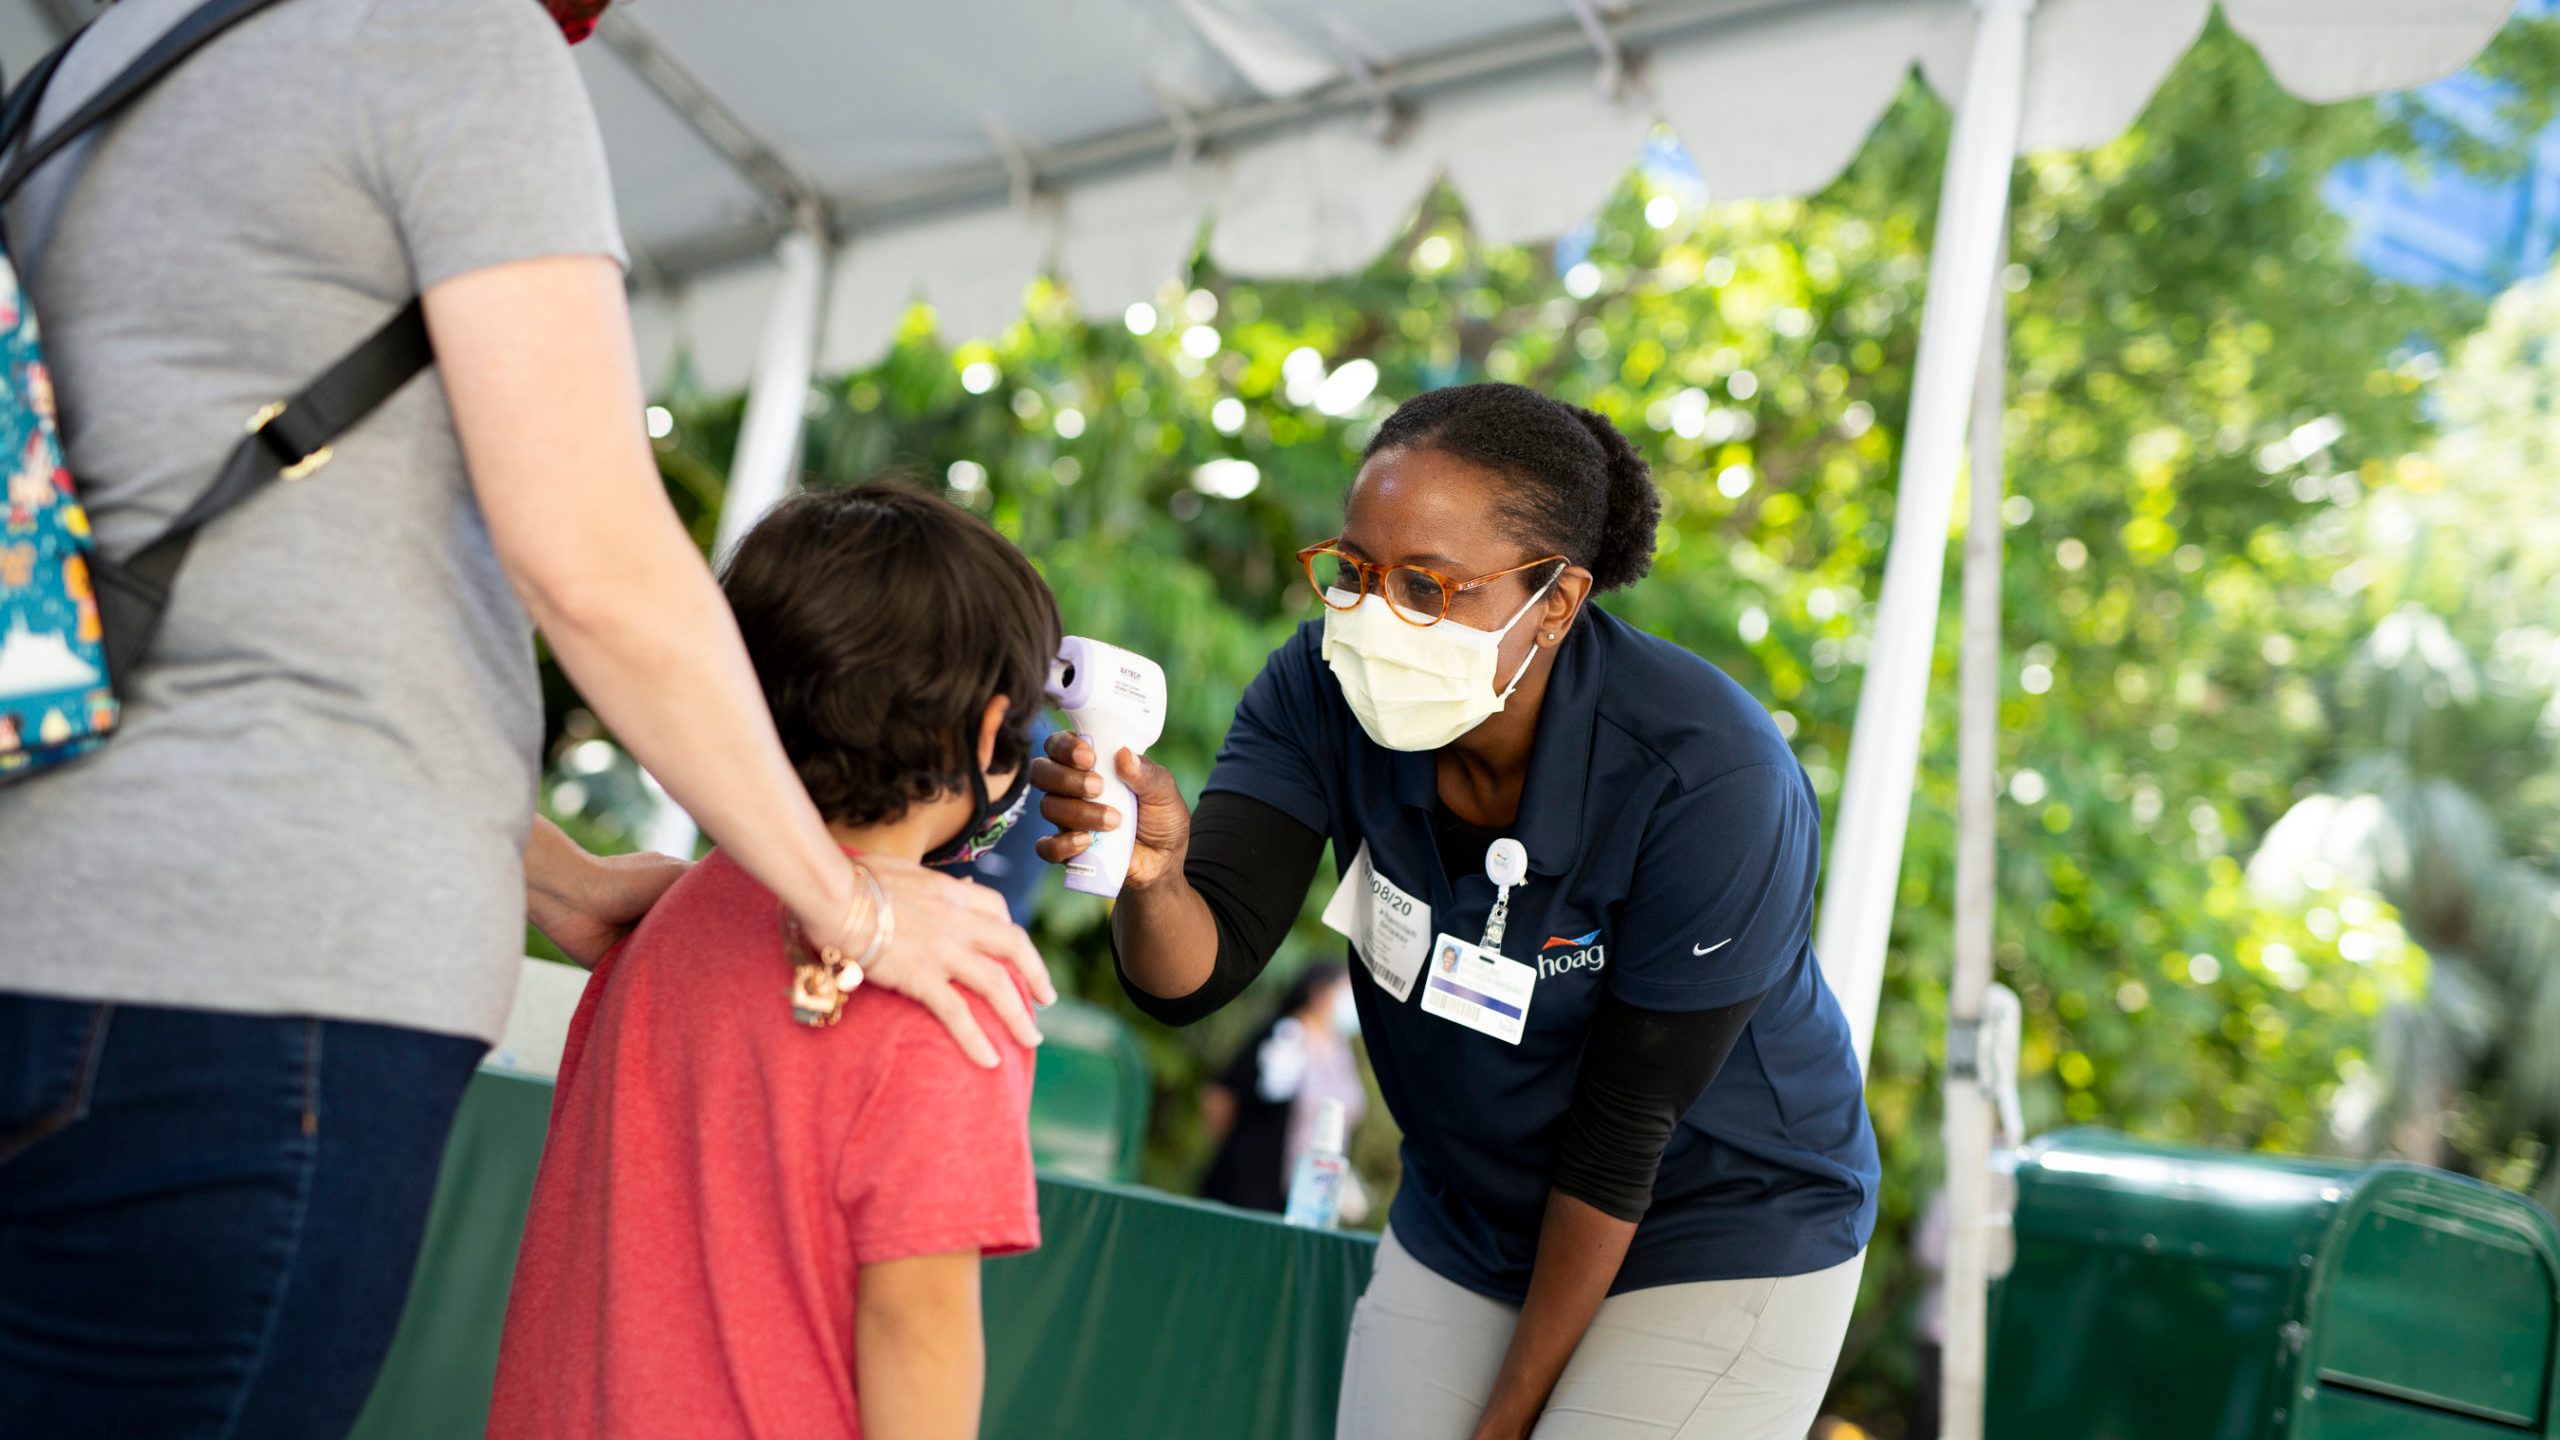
1115,701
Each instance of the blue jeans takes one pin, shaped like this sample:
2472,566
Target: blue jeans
208,1222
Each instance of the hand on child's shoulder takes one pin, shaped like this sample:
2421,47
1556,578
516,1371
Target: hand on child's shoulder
921,1042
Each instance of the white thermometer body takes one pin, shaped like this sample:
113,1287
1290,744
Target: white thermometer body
1115,699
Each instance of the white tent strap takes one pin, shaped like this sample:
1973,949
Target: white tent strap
1778,108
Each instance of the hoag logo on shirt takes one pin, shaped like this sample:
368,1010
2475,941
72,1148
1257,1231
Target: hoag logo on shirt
1564,954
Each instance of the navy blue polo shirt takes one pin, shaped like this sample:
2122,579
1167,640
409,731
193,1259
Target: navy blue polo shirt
1673,844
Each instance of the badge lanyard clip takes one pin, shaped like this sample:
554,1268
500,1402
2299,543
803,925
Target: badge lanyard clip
1506,864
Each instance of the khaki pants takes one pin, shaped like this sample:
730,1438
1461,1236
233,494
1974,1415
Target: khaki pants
1719,1360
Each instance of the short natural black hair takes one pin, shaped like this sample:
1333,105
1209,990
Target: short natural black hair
881,620
1578,488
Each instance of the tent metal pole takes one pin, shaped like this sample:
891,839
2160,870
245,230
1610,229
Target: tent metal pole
767,461
768,454
1884,753
1967,1279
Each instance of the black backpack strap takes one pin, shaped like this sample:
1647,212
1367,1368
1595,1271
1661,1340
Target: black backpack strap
20,109
181,40
288,441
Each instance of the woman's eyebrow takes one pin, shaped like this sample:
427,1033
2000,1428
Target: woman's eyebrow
1427,557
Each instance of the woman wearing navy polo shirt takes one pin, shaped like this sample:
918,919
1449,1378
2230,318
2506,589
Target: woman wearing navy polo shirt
1577,867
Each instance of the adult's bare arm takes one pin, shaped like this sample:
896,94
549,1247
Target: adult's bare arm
537,360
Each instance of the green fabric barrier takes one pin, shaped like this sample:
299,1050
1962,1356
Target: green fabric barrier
444,1360
1141,1317
1090,1093
1144,1315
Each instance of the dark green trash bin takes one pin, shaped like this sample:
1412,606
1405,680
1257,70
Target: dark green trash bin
2172,1294
1090,1095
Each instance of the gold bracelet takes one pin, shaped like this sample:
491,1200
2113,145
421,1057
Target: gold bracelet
884,921
820,983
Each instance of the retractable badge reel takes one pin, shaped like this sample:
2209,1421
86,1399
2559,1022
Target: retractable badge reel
1477,986
1506,864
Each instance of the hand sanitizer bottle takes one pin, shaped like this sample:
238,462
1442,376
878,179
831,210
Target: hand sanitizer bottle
1315,1192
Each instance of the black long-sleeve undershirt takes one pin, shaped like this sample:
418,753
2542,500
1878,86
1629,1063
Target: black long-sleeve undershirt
1642,1069
1252,863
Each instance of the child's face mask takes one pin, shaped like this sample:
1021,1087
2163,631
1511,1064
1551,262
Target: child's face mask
577,18
988,821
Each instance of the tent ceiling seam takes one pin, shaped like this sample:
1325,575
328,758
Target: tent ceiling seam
796,200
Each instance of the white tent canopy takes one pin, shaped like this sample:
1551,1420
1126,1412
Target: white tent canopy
956,149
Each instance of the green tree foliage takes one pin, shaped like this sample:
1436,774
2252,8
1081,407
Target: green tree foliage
2207,391
2439,789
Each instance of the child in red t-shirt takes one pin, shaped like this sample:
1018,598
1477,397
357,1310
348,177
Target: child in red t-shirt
746,1225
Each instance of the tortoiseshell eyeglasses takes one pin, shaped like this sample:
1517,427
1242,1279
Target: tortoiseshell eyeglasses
1418,594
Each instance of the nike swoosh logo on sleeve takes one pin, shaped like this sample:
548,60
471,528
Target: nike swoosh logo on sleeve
1710,949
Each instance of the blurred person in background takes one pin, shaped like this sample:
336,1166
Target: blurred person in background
256,945
1262,1110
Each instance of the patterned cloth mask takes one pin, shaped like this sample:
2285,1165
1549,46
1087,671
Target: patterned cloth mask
988,822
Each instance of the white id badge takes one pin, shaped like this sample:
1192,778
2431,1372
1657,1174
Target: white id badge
1486,993
1384,924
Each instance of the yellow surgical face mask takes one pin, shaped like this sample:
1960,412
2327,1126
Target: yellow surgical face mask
1416,687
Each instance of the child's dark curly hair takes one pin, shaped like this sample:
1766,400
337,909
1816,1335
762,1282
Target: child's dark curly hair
881,620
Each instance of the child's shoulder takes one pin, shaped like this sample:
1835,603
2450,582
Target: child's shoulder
715,904
717,930
919,1053
712,942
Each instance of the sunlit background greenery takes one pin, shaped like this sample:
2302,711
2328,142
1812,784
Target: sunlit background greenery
2281,542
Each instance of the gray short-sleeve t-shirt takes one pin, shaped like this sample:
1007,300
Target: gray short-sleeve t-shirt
319,799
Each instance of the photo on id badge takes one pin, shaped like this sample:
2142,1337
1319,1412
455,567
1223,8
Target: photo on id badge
1480,989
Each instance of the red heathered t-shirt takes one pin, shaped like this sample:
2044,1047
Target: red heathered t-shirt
716,1171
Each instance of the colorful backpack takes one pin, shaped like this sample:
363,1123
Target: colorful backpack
72,621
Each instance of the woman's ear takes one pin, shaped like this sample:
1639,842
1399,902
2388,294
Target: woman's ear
989,725
1563,604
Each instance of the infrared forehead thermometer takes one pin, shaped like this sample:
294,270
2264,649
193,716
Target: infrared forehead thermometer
1115,700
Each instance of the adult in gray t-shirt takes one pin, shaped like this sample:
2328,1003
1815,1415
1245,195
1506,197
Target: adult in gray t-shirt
319,800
